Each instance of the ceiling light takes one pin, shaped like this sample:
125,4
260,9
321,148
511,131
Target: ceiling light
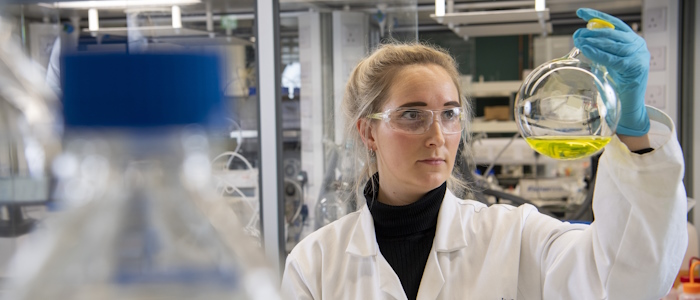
439,8
177,17
539,5
93,20
117,3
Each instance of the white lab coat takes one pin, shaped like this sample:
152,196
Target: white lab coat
633,250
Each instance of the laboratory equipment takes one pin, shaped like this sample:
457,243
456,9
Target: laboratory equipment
333,205
239,186
335,199
144,219
29,134
295,212
691,289
568,108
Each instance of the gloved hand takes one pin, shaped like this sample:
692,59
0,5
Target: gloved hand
625,55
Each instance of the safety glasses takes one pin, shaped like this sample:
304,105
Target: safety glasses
413,120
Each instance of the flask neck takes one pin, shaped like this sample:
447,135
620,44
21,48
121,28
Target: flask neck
575,53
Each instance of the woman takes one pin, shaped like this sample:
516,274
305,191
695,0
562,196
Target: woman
415,240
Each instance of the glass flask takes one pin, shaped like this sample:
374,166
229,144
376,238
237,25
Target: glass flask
333,205
567,108
334,199
143,219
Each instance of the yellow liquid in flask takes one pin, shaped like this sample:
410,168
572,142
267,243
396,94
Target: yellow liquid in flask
567,147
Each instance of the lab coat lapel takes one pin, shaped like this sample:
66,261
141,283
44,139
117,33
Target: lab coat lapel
433,280
449,237
363,242
389,282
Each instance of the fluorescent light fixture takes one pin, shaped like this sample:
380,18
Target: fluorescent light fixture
539,5
493,16
118,3
177,17
439,8
503,29
93,20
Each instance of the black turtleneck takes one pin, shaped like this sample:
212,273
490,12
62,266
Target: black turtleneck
405,233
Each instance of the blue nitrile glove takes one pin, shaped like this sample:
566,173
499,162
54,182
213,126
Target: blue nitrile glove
625,55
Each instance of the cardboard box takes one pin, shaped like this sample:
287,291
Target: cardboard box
497,112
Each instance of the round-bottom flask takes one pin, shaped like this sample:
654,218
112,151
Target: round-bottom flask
333,205
567,108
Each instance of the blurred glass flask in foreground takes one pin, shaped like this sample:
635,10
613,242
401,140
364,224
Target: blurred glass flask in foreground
141,220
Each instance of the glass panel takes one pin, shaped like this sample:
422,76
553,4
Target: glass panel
321,42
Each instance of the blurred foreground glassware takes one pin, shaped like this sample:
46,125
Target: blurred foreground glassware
568,108
144,221
29,133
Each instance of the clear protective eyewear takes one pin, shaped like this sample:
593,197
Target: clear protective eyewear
418,121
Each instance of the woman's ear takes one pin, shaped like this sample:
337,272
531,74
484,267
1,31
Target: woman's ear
364,128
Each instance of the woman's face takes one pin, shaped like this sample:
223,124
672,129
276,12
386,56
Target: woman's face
413,164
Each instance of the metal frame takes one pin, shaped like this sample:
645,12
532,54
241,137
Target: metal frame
685,86
268,90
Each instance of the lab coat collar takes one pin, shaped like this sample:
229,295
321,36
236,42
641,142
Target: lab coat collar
449,235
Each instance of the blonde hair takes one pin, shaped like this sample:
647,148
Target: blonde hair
367,90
